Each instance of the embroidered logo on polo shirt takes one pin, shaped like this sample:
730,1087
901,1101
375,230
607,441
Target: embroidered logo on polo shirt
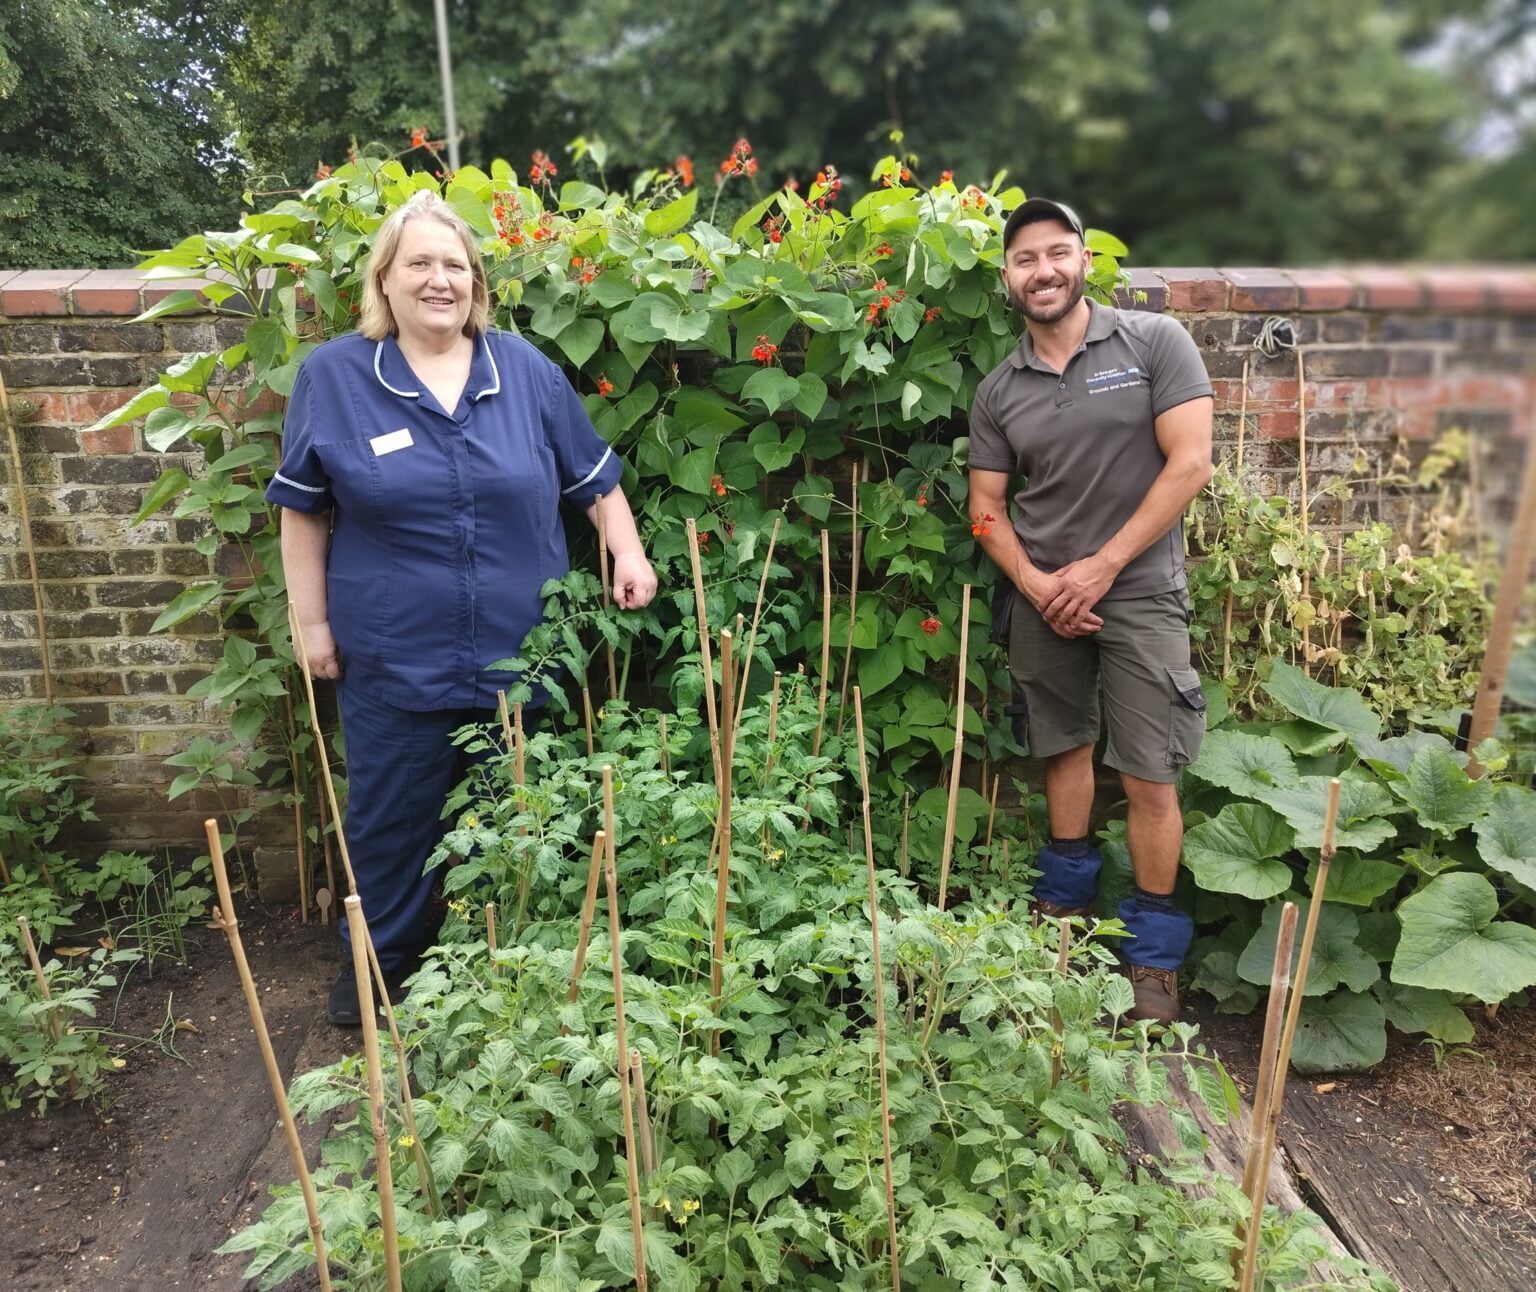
382,444
1113,379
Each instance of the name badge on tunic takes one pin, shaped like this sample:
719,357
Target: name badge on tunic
383,444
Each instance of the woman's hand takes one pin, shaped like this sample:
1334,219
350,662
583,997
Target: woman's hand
634,582
319,648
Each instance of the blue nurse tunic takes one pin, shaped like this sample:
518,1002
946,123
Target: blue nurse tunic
444,527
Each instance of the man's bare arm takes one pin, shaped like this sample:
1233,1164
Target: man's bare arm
1184,435
989,497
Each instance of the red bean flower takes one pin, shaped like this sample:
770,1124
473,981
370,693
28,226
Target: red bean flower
717,483
764,351
604,386
981,524
931,626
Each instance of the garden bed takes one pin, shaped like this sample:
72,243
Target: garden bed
1433,1182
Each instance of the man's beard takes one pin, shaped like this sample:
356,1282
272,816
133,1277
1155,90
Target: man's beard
1051,313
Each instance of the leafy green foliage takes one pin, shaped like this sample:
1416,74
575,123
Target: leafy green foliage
767,1163
50,1047
1412,926
1451,941
1349,608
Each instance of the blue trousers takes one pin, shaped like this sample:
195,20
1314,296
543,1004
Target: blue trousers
401,765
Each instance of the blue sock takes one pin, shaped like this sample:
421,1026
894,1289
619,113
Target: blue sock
1155,901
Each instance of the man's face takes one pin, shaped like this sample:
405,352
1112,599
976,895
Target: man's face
1044,271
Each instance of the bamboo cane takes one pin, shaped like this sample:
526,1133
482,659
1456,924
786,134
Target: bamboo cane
300,859
372,955
853,597
1306,503
632,1170
1506,611
906,827
826,639
1293,1015
602,565
1056,1022
1274,1014
666,757
874,933
757,614
490,932
647,1144
954,764
506,720
773,720
723,869
519,747
997,781
5,871
384,1177
26,536
231,926
1242,427
55,1023
323,818
704,658
301,650
588,907
586,717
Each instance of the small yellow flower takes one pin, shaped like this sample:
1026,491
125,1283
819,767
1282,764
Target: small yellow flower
690,1205
775,854
407,1141
461,907
471,821
666,1204
683,1220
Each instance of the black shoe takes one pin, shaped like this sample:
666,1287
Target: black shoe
341,1006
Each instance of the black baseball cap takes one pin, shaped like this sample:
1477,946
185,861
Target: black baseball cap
1041,208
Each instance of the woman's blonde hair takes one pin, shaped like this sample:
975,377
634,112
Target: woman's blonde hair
376,320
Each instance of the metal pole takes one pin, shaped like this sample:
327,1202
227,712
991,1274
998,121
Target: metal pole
445,72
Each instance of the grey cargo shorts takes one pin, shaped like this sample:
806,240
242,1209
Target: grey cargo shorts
1139,661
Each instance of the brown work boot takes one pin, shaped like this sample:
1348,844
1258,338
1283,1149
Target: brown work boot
1040,909
1157,993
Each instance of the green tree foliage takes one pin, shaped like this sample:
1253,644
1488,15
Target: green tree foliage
1211,131
1277,134
110,134
1223,131
1481,207
308,78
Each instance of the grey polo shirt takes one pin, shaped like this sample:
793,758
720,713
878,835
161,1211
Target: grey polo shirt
1084,440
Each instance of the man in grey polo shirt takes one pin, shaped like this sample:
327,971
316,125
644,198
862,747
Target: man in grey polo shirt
1106,414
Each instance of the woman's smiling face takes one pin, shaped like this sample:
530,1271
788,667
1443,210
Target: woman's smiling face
430,282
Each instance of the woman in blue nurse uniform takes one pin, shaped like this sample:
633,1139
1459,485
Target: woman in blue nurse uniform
425,458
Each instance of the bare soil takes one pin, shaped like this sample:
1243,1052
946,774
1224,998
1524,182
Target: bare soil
137,1194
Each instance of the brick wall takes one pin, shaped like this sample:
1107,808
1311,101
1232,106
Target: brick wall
1389,354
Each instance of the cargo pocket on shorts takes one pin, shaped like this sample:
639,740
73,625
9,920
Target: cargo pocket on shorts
1186,717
